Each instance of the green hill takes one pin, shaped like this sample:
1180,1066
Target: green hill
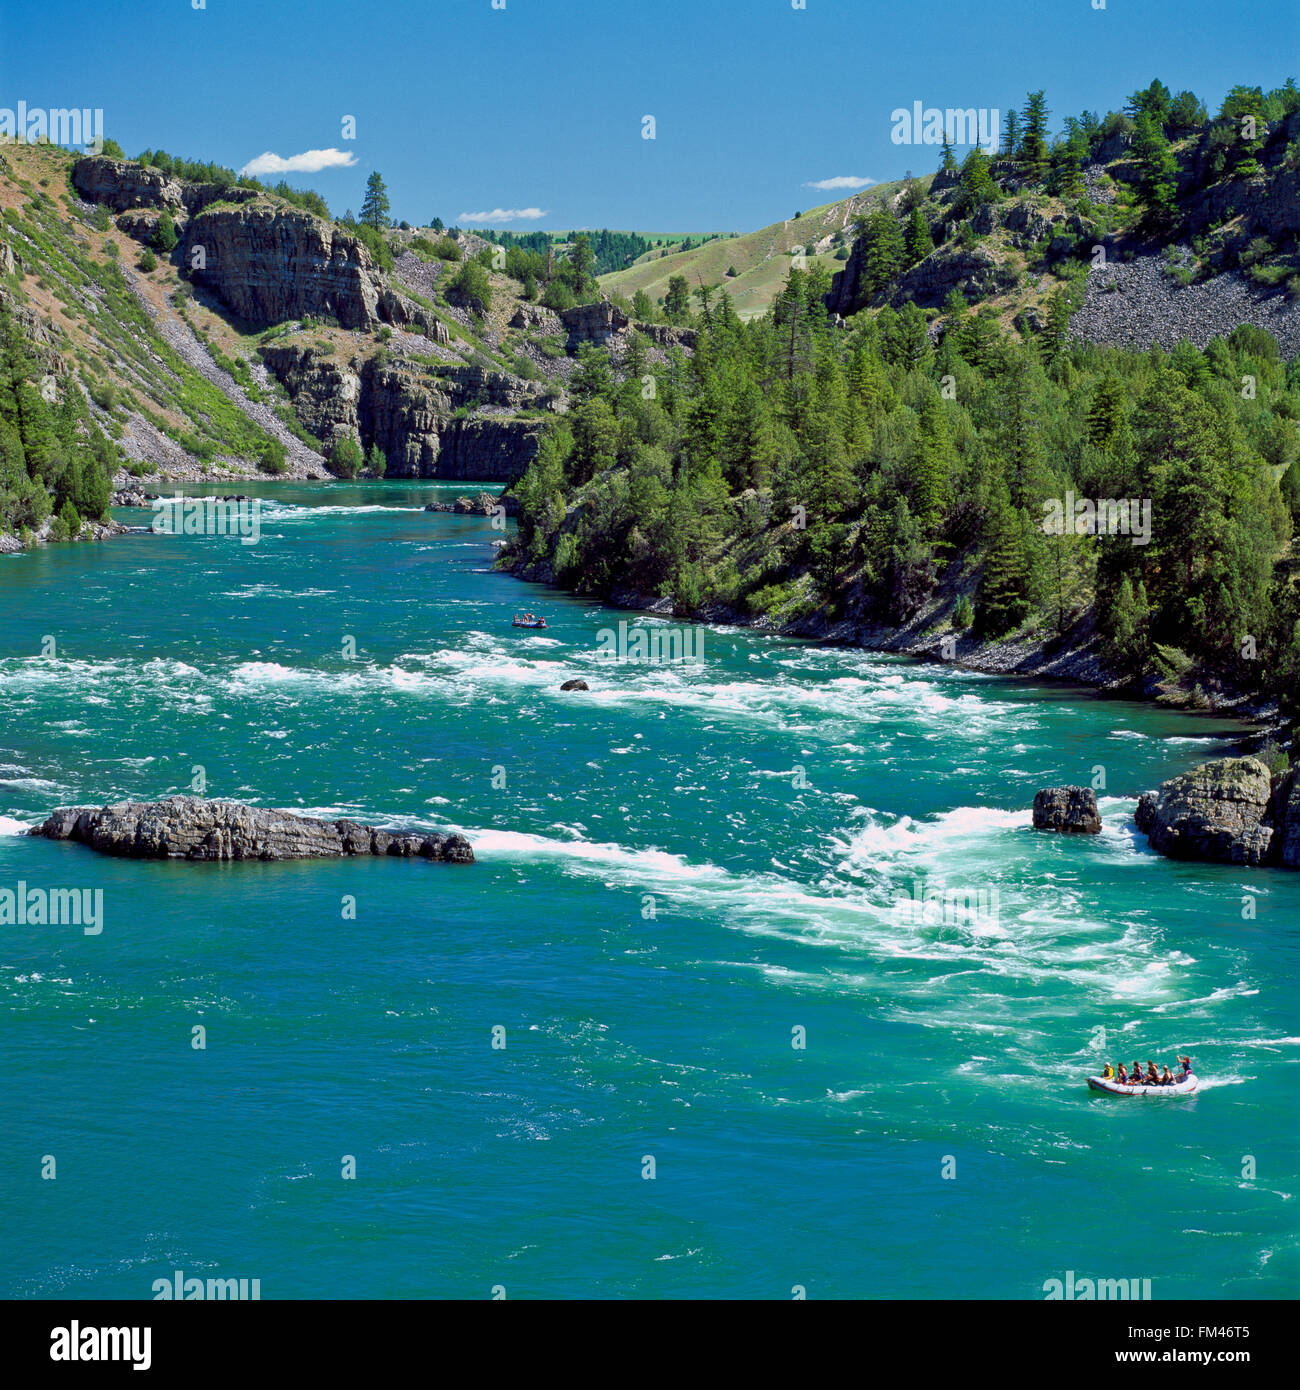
761,259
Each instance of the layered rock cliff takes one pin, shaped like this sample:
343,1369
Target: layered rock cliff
267,264
430,421
122,185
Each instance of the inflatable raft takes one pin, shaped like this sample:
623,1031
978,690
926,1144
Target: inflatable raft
1115,1088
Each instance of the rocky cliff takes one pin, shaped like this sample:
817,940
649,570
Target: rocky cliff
430,420
121,185
418,419
267,264
488,449
978,271
606,325
265,261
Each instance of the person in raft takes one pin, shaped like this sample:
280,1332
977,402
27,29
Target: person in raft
1151,1078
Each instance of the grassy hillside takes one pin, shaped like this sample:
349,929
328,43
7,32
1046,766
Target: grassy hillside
172,381
98,313
761,259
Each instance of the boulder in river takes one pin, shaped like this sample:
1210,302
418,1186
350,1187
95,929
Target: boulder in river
481,505
575,685
189,827
1070,810
1225,812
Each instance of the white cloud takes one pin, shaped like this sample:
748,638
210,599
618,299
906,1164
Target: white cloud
308,162
503,215
841,181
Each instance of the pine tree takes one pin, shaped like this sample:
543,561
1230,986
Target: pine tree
1126,627
376,210
917,239
345,457
790,319
677,302
933,463
747,448
1158,172
905,336
869,388
583,260
1056,331
884,251
1068,156
1186,114
1019,438
956,310
979,339
164,236
1033,143
1154,101
1010,147
1002,598
976,186
1108,414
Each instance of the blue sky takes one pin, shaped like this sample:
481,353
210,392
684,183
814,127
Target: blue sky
465,108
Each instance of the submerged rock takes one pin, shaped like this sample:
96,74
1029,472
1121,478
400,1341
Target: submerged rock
189,827
1071,810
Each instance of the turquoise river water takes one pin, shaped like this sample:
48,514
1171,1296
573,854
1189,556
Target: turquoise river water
734,1065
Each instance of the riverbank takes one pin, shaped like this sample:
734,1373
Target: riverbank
11,544
1072,659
